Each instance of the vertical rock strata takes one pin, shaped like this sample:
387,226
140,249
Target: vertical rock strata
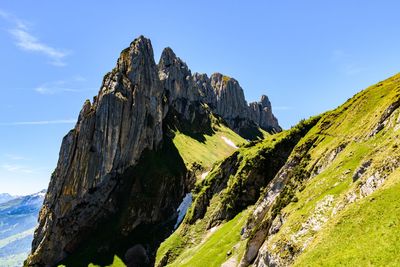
101,173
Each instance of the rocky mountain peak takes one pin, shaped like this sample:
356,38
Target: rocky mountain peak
261,112
231,103
168,58
97,177
265,103
139,53
175,77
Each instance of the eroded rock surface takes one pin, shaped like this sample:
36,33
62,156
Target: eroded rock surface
113,171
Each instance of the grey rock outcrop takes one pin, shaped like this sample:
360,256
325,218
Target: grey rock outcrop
222,94
231,103
261,113
109,137
98,175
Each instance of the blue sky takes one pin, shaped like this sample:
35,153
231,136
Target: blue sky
307,56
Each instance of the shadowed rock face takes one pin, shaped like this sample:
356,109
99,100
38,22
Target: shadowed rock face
98,180
136,256
109,137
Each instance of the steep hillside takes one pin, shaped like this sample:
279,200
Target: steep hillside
223,198
135,154
18,219
330,199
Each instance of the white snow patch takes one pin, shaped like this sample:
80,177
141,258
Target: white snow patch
210,232
229,142
204,175
40,194
182,209
213,229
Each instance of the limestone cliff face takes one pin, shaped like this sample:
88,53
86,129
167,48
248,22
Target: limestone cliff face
222,94
261,113
109,137
109,170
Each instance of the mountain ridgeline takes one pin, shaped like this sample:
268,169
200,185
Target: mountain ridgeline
18,218
120,176
169,168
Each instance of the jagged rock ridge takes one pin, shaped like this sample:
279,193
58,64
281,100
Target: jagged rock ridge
221,93
107,172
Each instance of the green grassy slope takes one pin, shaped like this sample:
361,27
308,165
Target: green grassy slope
331,216
231,186
366,234
213,148
212,251
330,204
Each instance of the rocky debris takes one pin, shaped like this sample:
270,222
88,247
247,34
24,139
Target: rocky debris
315,220
361,170
371,184
283,253
325,161
271,255
267,259
278,193
389,111
379,176
259,223
377,129
384,118
397,125
276,225
351,197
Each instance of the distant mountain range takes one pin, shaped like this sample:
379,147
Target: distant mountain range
18,219
6,197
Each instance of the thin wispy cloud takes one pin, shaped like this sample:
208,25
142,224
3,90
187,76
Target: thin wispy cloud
44,122
55,87
15,157
79,78
16,168
45,90
26,40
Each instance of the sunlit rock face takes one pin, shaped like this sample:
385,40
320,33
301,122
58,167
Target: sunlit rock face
102,175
